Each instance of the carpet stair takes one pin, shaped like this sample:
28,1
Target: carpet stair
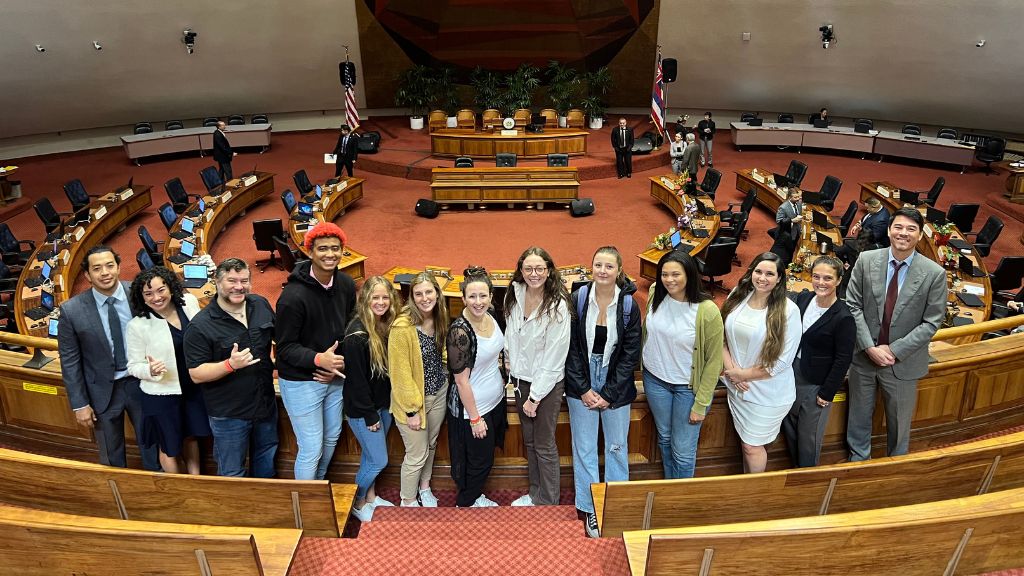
493,514
480,530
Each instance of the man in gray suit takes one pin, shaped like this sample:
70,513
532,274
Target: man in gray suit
90,339
691,156
898,300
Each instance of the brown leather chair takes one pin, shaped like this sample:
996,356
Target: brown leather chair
522,117
491,117
466,119
574,119
550,117
438,119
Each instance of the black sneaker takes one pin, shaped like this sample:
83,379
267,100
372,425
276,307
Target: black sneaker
590,525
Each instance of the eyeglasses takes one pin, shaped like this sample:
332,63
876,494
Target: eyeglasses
535,270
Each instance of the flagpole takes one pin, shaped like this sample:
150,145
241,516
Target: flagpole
353,127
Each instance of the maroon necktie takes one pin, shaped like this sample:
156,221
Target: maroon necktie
891,293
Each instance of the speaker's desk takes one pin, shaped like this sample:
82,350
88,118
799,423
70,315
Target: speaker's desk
454,142
107,214
505,185
335,200
671,198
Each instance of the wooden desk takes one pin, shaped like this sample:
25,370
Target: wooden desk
452,142
672,200
801,135
106,217
508,185
5,184
335,201
139,146
1014,180
928,148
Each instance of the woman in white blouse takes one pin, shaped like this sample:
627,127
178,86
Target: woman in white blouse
173,412
536,344
762,335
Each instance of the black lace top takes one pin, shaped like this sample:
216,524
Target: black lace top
433,367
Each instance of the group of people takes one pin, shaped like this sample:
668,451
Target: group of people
183,373
686,153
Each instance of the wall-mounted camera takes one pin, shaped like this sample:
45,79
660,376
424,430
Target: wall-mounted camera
188,38
827,36
980,43
97,45
39,48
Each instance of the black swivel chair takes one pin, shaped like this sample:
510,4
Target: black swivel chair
747,116
288,199
505,159
174,125
963,215
10,247
143,128
210,121
143,260
1008,276
796,172
49,216
559,160
948,133
709,185
167,215
151,246
259,119
717,262
263,233
864,124
830,191
728,214
992,151
912,129
289,257
211,180
987,236
75,191
785,118
933,194
847,220
463,162
302,183
178,196
734,231
236,120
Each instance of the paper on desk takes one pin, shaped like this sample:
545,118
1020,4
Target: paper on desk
330,159
976,289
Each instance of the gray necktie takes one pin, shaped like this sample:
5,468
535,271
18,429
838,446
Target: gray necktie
116,335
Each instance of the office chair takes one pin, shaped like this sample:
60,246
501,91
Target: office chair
829,192
727,215
174,125
437,120
210,121
734,231
987,236
178,196
550,117
963,215
559,160
259,119
785,118
747,116
717,262
912,129
236,120
522,117
505,159
865,123
263,233
302,183
1008,275
463,162
574,118
991,151
167,215
75,191
289,257
10,247
847,220
151,246
709,185
143,260
143,128
49,216
933,193
288,199
211,180
796,172
948,133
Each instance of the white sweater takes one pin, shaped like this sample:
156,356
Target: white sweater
152,337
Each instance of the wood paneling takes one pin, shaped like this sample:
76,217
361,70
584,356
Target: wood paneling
455,142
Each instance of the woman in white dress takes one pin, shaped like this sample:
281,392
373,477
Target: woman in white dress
762,335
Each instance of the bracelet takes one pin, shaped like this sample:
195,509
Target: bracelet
316,360
227,364
475,421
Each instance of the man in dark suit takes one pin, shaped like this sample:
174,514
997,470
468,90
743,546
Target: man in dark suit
345,151
622,143
898,301
706,133
222,152
870,232
90,339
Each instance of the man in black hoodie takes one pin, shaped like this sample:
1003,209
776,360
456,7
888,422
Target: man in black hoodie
312,312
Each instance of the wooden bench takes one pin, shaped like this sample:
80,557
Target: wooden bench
959,536
515,185
979,467
45,543
73,487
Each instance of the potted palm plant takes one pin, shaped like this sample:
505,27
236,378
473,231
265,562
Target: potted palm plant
445,94
520,87
415,91
598,83
486,87
563,83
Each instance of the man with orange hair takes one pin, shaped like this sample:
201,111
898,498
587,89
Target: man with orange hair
312,312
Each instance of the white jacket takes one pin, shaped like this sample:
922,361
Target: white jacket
152,337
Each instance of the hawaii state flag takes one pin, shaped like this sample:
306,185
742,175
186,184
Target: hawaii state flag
658,98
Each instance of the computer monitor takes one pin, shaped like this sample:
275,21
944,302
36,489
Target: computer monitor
819,123
781,181
820,219
909,196
319,191
187,225
305,208
188,248
935,216
824,239
51,330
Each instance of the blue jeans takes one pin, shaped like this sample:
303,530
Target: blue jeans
584,423
231,442
315,412
670,405
373,446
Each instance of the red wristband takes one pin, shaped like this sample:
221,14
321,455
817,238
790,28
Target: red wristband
227,364
316,360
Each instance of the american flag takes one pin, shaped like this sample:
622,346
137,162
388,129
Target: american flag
658,98
351,112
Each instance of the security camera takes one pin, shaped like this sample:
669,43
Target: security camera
39,48
980,43
96,45
188,37
827,35
825,43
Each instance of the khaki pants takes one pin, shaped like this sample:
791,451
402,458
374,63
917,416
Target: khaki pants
541,448
421,444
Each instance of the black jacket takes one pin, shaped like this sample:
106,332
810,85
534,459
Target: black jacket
706,124
617,140
366,392
222,152
826,348
620,385
309,319
349,152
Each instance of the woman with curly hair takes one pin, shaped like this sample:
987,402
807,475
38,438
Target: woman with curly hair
174,414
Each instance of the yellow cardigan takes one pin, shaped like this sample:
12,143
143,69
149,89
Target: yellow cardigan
405,366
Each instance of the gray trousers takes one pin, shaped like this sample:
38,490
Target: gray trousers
109,426
899,398
541,449
804,426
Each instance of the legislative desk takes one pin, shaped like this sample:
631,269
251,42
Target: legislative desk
928,148
107,214
1014,180
663,190
5,184
505,185
454,142
335,201
139,146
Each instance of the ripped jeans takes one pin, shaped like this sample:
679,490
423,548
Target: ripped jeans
584,423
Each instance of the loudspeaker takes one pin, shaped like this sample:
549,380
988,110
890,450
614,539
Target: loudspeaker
347,69
427,208
581,207
368,143
643,145
669,69
654,137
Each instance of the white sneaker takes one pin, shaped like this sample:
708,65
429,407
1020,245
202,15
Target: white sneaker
484,502
364,514
427,498
379,502
523,500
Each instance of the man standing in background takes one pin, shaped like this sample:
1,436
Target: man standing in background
345,151
222,152
622,143
706,132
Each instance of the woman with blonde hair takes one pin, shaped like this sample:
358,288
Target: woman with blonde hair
419,384
368,388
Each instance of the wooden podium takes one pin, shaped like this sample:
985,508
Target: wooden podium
1014,181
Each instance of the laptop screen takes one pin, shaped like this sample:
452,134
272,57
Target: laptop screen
187,225
52,328
306,208
47,269
319,191
195,272
819,218
46,300
188,248
676,238
824,239
935,216
202,205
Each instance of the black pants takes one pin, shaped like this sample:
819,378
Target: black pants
225,171
623,162
340,163
109,427
472,458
